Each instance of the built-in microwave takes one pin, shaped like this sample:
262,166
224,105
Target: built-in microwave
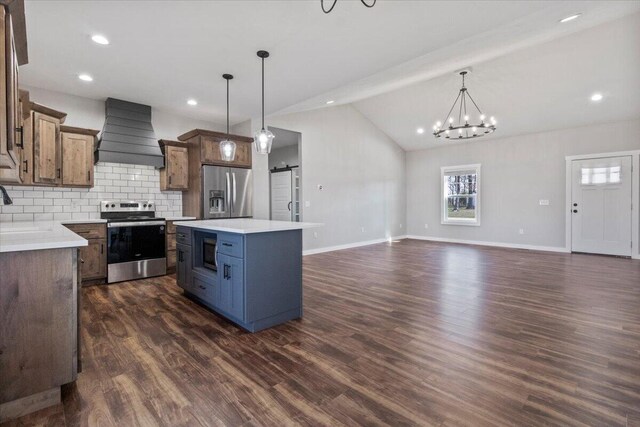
209,254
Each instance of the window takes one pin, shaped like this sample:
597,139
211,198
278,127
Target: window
461,195
607,175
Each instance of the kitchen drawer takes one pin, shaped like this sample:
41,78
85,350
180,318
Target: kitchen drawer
183,235
231,244
203,290
171,258
89,231
171,227
171,242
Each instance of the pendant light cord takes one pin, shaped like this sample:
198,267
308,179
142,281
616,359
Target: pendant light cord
263,94
227,108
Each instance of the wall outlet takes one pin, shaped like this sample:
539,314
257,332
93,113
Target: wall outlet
315,234
307,204
544,202
426,226
521,231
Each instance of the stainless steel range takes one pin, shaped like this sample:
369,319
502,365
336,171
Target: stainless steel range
135,240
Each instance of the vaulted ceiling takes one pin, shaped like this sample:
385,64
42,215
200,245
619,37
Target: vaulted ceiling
393,61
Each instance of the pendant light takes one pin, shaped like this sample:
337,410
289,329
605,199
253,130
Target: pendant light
467,127
263,138
227,147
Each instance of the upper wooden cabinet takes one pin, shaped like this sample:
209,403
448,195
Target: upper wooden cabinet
78,146
12,36
175,174
47,152
208,143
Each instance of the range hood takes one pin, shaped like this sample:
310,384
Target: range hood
127,135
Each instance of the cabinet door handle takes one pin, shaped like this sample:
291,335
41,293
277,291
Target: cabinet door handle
227,244
21,130
58,172
169,179
101,248
26,166
88,176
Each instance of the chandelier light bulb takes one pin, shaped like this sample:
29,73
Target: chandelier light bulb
482,117
439,123
493,120
447,131
466,118
460,131
450,119
474,129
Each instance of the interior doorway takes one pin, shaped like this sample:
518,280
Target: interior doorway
285,170
601,207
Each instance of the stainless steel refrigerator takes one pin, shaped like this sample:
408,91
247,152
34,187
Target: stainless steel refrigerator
226,192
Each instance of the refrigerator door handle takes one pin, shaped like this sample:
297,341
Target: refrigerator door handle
228,195
233,174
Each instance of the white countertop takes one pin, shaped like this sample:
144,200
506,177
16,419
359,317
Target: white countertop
83,221
247,225
179,218
36,235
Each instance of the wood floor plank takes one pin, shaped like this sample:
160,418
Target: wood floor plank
407,333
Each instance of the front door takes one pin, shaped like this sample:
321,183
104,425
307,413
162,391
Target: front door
281,203
601,206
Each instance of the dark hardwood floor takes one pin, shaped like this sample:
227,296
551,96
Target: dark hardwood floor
409,333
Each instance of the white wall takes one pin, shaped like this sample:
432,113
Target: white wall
89,113
113,181
516,173
361,169
280,157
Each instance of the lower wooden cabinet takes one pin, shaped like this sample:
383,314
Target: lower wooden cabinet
93,257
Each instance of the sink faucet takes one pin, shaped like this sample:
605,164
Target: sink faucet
6,200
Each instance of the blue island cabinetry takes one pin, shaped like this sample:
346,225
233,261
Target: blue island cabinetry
255,279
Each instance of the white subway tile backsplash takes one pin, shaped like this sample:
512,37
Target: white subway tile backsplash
113,181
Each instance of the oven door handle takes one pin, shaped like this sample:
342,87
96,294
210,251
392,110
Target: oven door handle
134,224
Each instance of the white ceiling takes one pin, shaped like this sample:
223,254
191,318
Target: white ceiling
544,87
164,52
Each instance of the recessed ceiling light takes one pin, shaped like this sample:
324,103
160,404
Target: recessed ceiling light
420,131
330,102
100,39
570,18
596,97
192,102
85,77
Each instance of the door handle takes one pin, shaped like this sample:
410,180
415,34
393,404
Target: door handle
575,204
233,174
21,130
575,211
229,202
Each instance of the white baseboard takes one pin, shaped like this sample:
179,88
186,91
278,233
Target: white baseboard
349,246
495,244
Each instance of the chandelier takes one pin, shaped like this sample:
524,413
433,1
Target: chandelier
465,129
325,10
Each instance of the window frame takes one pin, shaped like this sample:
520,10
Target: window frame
444,220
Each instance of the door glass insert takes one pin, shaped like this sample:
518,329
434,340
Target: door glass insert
600,175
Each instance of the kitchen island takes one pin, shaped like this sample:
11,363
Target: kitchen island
39,312
247,270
